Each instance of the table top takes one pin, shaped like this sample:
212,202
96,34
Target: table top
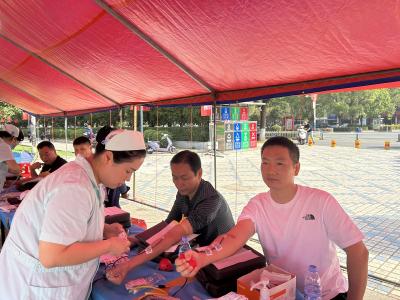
103,289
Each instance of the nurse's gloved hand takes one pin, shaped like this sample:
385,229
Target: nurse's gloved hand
118,246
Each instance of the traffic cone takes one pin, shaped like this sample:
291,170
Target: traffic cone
387,145
310,141
357,144
333,143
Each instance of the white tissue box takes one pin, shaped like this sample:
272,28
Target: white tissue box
284,291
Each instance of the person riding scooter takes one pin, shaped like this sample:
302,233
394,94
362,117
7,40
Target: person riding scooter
165,145
301,135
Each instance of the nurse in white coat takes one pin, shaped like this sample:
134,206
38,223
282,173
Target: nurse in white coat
57,233
10,136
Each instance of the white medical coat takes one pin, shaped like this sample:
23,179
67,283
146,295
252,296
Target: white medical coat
5,154
64,208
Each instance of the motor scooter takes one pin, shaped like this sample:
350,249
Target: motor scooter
91,136
165,145
301,135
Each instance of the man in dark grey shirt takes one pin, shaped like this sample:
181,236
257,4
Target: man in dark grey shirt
207,212
198,208
203,209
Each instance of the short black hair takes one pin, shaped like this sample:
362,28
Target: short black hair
118,156
283,142
187,157
81,140
47,144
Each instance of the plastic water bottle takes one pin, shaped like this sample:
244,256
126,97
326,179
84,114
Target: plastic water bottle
262,285
185,246
312,284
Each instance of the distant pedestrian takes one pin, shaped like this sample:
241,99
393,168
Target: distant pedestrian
308,128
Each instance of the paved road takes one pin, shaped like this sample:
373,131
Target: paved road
369,140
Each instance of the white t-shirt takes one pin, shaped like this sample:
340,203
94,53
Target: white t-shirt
304,232
5,154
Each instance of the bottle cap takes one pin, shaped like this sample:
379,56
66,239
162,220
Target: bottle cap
312,268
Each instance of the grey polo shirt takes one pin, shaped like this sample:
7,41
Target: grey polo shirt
208,213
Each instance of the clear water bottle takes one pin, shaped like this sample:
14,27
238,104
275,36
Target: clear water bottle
185,246
312,284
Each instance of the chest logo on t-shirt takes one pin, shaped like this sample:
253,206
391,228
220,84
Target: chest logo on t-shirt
309,217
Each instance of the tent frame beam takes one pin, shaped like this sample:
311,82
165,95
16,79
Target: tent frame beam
32,96
59,70
132,27
299,90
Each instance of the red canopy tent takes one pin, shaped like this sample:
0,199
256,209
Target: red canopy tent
70,57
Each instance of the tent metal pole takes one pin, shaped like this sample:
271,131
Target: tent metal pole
38,128
110,118
132,27
44,127
134,126
75,127
120,117
191,127
33,132
66,136
215,143
52,128
141,118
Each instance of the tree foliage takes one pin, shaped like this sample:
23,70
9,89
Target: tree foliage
10,113
346,106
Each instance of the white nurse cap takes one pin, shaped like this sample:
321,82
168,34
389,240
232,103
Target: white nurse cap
12,130
124,140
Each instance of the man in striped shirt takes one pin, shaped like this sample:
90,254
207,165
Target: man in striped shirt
198,208
205,210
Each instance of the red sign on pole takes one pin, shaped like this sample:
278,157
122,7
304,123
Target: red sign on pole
253,126
244,113
253,139
206,110
137,107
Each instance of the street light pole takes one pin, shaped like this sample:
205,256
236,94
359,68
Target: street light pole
314,104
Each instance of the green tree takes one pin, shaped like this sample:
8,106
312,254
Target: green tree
10,112
379,103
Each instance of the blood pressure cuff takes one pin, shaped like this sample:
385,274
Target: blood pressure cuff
124,218
152,231
219,282
145,235
28,185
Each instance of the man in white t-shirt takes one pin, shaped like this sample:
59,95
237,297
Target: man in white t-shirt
297,226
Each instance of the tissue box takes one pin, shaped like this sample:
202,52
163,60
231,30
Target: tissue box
286,290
